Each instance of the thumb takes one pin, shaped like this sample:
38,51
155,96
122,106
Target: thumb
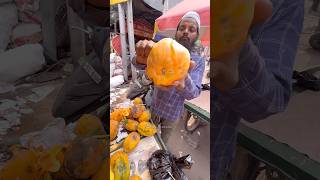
192,65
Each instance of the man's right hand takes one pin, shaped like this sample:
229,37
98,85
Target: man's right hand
262,12
143,49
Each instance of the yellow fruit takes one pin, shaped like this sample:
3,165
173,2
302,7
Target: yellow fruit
131,125
125,112
84,157
102,173
137,111
115,156
116,115
61,174
51,160
135,177
131,142
147,129
114,127
120,114
167,62
145,116
111,175
231,22
121,168
137,101
23,165
89,125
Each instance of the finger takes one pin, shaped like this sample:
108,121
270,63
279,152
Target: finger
179,86
192,65
176,83
147,50
164,88
139,48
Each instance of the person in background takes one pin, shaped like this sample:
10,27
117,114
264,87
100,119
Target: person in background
255,81
167,104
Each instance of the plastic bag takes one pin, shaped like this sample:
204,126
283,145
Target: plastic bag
21,61
164,166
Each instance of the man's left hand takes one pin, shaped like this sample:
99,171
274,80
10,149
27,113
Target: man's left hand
179,84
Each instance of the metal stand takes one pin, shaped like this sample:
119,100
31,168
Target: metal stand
123,16
122,27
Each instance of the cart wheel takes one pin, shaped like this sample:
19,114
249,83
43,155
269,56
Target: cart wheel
314,41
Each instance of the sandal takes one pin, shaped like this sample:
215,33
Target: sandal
307,80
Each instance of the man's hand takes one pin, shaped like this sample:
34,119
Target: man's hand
179,84
262,11
225,71
143,49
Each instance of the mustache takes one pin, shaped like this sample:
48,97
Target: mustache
185,38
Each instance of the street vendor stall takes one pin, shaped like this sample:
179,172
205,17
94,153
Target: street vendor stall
181,144
133,134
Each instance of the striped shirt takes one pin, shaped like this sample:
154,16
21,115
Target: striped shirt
265,71
169,104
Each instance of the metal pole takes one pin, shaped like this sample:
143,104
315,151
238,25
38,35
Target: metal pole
122,27
166,6
131,37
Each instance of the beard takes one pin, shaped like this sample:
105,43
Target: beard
186,42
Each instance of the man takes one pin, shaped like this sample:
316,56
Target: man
168,102
255,81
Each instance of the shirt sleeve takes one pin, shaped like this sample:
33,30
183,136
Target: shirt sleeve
266,66
193,81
